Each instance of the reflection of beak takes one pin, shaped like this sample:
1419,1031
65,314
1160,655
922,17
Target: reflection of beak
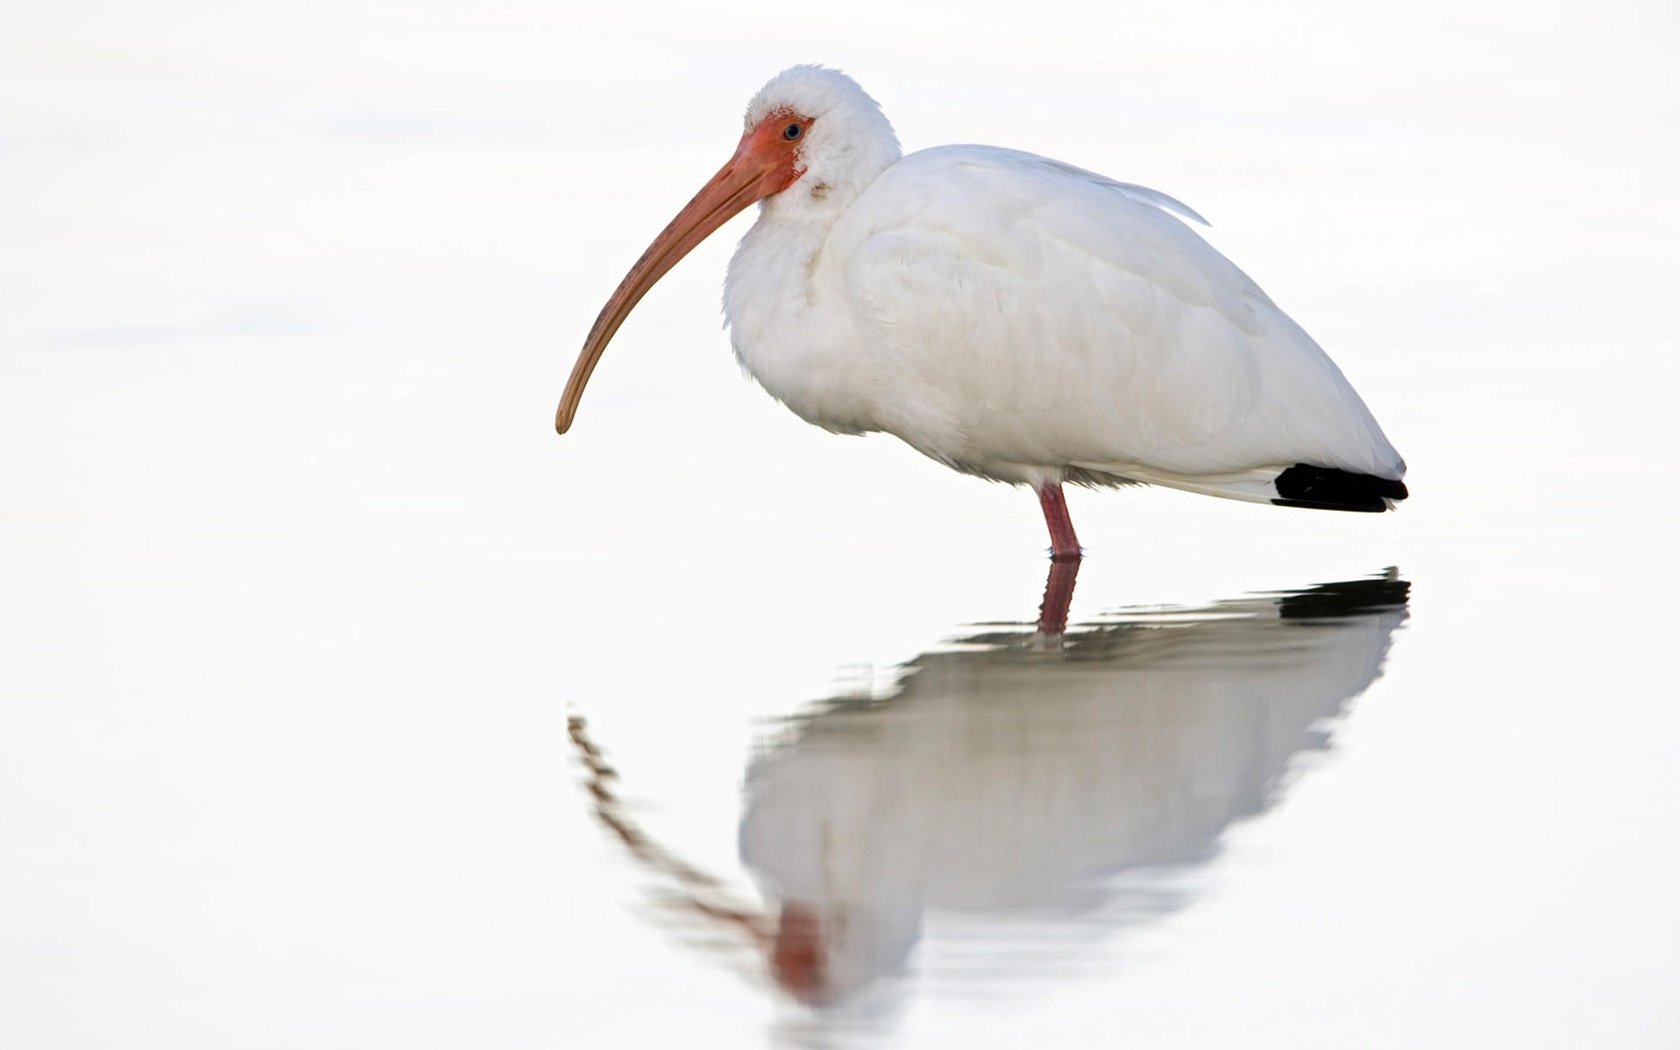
748,177
798,961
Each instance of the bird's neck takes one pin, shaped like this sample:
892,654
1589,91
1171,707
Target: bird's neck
781,251
774,273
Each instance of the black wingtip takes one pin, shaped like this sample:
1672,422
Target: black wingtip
1327,488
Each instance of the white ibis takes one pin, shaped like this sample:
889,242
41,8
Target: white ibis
1011,316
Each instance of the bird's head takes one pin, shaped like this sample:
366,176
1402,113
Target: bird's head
844,140
809,128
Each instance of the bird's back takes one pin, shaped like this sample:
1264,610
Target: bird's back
1032,316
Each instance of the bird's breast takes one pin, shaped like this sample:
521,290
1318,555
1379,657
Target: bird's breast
793,332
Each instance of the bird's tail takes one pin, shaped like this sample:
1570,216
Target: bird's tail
1301,485
1327,488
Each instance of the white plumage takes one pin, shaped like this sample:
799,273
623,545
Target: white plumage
1011,316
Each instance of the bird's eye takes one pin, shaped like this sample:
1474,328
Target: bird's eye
792,131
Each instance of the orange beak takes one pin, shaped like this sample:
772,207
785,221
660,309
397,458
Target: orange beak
757,170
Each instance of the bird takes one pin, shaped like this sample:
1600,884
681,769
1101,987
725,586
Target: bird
1008,315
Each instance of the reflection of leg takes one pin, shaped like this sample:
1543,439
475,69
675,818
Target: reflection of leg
1058,595
1064,545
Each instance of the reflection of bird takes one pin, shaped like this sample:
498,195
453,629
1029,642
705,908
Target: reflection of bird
1004,779
1010,316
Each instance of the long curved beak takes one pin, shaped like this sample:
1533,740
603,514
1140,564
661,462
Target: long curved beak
748,177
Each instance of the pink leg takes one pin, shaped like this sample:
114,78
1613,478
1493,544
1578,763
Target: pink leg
1064,545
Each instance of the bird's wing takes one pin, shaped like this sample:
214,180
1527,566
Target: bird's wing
1033,312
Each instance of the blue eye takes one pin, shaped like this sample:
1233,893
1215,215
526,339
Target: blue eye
792,131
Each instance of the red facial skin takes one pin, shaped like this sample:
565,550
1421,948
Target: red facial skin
765,162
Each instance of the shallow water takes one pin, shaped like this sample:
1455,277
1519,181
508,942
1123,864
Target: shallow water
345,705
